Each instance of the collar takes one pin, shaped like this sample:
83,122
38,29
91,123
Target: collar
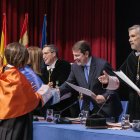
10,66
137,53
89,62
52,66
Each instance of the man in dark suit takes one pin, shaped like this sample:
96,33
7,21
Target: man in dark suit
56,73
85,72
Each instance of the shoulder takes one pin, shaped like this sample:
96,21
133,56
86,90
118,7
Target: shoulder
11,74
131,55
62,63
44,69
98,61
75,67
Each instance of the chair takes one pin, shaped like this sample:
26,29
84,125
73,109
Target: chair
124,106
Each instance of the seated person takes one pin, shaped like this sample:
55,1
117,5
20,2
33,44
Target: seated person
56,72
84,73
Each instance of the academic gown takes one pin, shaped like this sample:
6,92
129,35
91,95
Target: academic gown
17,100
129,67
60,74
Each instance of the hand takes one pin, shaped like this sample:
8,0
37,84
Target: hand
50,84
104,79
100,99
43,89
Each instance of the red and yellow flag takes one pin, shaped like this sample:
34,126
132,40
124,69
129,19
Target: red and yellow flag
3,41
24,32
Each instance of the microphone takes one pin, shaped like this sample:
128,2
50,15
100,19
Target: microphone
97,120
100,108
65,120
80,97
61,111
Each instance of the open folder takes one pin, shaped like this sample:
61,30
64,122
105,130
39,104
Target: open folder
121,75
82,90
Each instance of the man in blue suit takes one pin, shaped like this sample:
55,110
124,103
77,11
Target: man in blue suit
85,72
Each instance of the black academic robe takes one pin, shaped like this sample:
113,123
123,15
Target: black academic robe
58,76
129,67
19,128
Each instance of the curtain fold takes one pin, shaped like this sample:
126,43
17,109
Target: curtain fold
91,20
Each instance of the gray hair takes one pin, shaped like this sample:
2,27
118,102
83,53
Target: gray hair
52,47
134,27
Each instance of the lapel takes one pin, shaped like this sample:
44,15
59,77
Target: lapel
92,72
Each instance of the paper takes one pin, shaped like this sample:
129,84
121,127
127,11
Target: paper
82,90
127,80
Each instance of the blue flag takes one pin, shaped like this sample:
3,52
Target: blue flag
44,32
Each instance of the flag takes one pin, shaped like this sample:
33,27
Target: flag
3,39
44,32
24,32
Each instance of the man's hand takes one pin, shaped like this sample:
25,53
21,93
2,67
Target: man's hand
50,84
104,79
100,99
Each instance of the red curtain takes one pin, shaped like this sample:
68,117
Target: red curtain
68,21
92,20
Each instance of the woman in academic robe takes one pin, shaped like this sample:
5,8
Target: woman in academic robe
17,97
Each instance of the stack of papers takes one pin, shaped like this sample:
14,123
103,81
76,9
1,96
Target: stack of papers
82,90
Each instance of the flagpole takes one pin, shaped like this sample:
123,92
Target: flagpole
3,40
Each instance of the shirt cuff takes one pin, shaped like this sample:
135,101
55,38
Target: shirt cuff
113,83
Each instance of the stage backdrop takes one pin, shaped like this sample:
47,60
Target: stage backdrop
68,21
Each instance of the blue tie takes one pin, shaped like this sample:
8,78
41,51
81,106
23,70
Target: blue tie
86,71
86,76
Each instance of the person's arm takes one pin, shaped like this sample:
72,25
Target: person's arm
64,88
111,82
105,90
47,93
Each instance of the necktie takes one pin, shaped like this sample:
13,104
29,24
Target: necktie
81,103
50,73
86,71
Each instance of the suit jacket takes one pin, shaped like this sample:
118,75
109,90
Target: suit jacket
77,77
60,74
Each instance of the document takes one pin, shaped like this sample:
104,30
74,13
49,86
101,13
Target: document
82,90
121,75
